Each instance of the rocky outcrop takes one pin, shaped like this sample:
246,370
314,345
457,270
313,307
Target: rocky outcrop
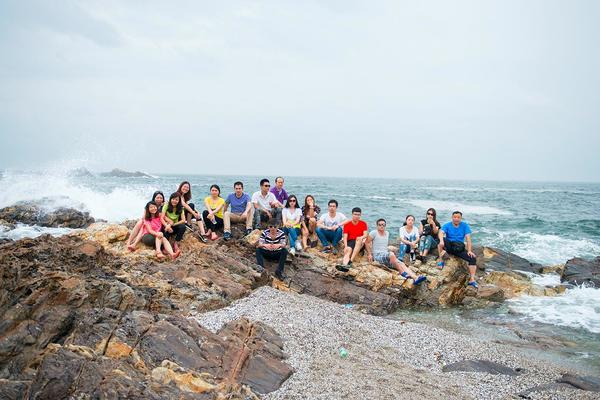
114,323
35,214
79,321
578,271
489,367
80,173
119,173
493,259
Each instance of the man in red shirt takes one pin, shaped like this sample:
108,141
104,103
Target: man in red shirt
355,237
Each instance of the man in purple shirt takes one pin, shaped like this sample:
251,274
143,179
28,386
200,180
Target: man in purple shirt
279,192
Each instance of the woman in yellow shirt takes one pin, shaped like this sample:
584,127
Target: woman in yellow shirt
213,215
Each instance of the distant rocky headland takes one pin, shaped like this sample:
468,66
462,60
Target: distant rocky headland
119,173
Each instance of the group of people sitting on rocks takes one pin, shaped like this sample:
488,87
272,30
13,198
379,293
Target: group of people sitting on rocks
164,224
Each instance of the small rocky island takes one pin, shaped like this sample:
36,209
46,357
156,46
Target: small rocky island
119,173
81,317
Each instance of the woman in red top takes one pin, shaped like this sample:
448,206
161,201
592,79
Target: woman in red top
151,234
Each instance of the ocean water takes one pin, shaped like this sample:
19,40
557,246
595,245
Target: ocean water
544,222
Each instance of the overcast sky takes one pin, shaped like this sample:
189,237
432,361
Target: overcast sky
410,89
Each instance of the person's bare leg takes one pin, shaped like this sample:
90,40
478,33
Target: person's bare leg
441,252
312,229
138,238
472,271
347,254
158,242
304,236
135,231
357,248
201,226
169,249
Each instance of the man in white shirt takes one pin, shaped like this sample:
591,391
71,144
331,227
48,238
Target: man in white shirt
330,227
266,206
377,249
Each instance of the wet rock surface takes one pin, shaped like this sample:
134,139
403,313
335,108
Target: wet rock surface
578,271
36,214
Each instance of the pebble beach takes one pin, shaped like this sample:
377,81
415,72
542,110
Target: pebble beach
387,359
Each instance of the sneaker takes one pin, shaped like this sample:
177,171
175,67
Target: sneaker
293,252
298,246
420,279
227,236
280,275
248,231
203,238
342,268
258,268
189,226
326,250
474,284
334,251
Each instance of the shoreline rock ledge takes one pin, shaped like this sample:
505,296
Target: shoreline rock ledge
80,316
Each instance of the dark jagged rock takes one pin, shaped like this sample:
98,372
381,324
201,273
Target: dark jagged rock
493,259
489,367
317,284
33,214
590,383
578,271
548,387
119,173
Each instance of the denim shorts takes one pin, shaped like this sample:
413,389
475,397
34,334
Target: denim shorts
383,258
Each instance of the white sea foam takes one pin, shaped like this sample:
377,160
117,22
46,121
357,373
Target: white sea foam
577,308
115,205
546,280
499,189
452,205
31,231
544,249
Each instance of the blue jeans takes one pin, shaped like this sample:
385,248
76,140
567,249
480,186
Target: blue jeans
404,248
427,242
327,236
293,234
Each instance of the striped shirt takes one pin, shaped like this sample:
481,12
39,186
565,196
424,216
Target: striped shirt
266,238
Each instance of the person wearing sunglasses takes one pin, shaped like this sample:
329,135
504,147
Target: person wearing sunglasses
428,230
378,250
292,217
266,206
271,245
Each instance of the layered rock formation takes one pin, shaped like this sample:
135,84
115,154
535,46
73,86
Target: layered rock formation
84,317
32,213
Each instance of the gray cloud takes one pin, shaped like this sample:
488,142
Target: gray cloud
468,90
